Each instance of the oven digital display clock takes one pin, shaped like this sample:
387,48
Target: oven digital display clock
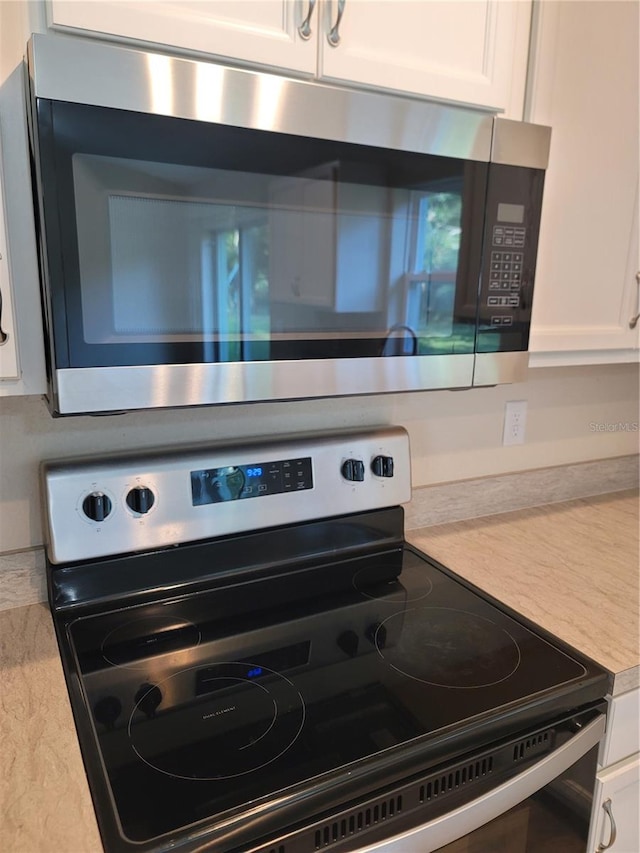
236,482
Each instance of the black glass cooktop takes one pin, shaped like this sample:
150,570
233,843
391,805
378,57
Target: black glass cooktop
321,671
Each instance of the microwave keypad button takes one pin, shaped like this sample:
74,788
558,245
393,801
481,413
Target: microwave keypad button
493,300
496,256
496,321
507,321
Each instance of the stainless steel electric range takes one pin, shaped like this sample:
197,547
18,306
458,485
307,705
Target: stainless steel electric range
258,661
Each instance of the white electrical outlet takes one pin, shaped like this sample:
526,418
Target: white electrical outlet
515,421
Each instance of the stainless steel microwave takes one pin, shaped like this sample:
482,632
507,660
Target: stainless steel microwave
213,235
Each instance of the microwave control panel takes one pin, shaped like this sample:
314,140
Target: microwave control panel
514,200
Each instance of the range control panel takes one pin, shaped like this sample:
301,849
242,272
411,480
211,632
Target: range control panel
123,504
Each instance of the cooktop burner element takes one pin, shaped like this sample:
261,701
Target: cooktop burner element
449,648
277,662
240,725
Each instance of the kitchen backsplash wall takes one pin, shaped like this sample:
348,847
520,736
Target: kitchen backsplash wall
574,414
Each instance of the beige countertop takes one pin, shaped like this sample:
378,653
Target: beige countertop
571,567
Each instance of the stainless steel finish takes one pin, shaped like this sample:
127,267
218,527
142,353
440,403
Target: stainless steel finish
499,368
86,72
614,830
455,824
304,30
333,36
173,518
634,320
516,143
108,389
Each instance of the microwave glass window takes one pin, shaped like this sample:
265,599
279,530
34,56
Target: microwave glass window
221,244
431,285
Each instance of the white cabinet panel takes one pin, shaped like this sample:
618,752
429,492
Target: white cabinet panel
617,790
256,31
468,51
22,368
8,348
623,729
585,85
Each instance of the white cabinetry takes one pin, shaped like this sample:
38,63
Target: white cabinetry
584,83
22,369
615,824
467,52
8,348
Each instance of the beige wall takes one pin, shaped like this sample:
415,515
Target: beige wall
455,435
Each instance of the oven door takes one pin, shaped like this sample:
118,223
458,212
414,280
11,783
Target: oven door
547,807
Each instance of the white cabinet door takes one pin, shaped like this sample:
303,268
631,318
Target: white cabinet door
22,364
585,85
8,348
468,51
262,32
616,799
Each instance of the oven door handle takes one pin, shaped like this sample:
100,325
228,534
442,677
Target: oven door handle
459,822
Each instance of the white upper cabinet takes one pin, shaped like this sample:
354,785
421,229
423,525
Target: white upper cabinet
469,51
585,85
8,348
263,32
22,367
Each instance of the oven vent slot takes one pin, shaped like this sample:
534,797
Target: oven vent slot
455,779
357,821
531,746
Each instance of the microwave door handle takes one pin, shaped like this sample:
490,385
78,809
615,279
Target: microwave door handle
459,822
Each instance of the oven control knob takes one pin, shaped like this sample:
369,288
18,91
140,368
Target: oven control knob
353,469
107,710
140,499
96,506
147,698
382,466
